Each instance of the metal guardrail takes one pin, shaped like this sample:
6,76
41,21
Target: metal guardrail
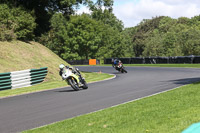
81,62
158,60
19,79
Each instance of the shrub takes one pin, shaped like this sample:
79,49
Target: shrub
16,23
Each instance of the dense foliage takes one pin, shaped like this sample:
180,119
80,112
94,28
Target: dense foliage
82,37
99,34
44,9
16,23
164,36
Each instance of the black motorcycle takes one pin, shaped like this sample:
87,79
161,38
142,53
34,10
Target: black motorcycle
119,67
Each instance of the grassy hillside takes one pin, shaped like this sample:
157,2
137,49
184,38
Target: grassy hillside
17,55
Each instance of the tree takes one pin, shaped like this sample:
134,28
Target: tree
56,38
165,24
128,34
154,45
191,41
113,44
44,10
16,23
84,37
143,32
102,11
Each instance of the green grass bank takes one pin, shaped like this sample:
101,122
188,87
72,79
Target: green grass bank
17,56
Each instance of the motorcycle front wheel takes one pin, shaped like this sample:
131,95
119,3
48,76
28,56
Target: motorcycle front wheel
123,70
73,84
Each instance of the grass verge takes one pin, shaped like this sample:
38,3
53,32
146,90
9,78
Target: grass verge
90,77
169,112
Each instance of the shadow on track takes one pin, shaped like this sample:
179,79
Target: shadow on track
116,73
68,90
185,81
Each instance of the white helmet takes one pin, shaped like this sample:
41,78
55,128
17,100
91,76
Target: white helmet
61,66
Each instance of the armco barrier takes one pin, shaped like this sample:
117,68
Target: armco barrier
196,59
25,78
158,60
78,62
81,62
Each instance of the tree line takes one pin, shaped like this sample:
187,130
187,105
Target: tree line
99,34
165,36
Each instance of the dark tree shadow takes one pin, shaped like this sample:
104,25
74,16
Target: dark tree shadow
186,81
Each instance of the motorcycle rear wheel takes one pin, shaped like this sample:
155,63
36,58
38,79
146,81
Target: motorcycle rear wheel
85,86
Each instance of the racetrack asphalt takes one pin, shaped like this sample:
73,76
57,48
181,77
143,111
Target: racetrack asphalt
33,110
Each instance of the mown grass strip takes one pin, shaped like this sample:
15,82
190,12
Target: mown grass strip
169,112
90,77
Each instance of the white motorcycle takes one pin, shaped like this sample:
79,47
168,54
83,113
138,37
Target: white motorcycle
74,79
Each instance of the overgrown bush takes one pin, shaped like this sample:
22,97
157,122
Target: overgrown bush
16,23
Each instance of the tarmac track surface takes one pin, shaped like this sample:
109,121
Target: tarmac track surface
37,109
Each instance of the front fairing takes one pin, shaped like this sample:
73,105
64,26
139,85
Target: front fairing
67,73
120,65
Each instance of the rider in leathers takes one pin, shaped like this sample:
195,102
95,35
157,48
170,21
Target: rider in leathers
115,63
75,71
